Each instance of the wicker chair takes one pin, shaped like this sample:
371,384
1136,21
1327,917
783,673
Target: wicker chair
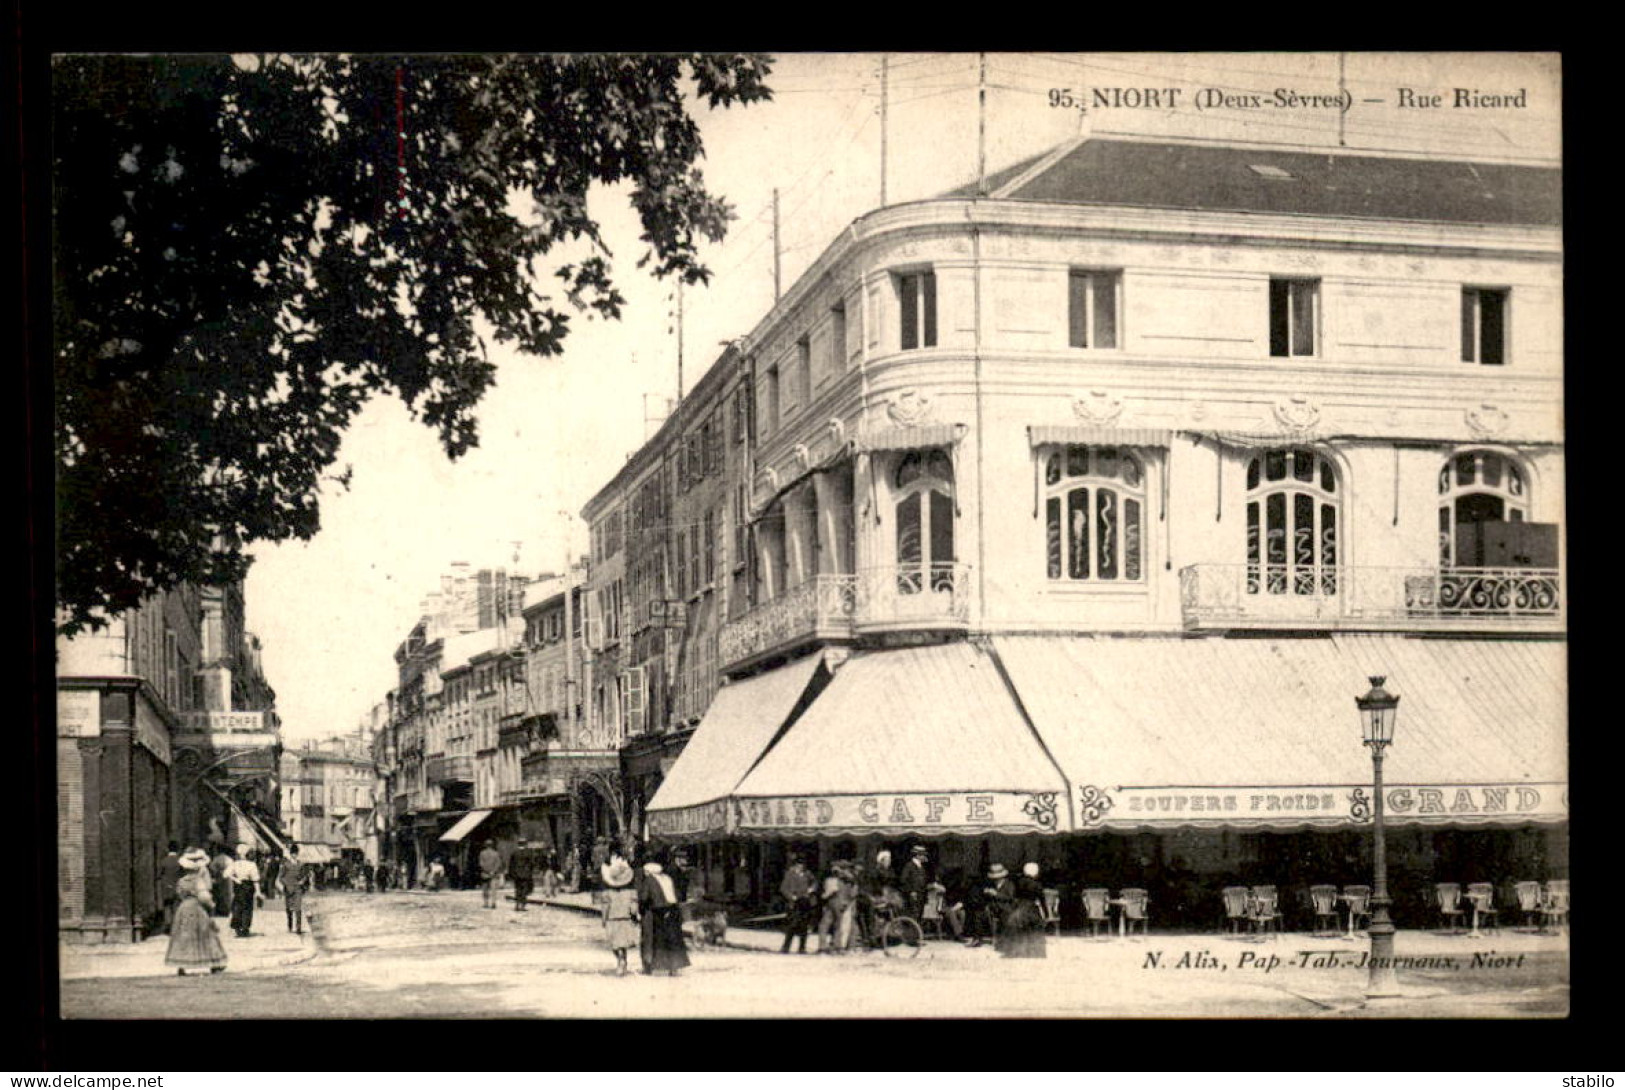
1447,895
1096,902
1358,900
931,911
1236,906
1052,910
1324,899
1556,907
1135,903
1266,909
1530,904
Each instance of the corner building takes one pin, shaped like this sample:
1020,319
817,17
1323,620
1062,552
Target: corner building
1075,516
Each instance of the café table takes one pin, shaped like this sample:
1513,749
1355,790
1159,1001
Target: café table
1122,915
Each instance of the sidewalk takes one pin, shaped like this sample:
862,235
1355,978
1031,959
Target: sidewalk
270,945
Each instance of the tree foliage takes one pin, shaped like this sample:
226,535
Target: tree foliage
247,250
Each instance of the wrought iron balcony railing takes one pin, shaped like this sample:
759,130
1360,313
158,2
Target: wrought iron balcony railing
1284,596
450,770
821,608
837,607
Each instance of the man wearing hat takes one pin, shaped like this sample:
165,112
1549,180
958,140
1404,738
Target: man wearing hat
997,894
914,880
797,889
522,869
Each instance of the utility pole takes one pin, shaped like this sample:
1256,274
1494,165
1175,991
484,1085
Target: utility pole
1341,91
775,245
885,62
981,125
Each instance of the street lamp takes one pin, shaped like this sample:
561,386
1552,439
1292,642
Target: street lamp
1378,710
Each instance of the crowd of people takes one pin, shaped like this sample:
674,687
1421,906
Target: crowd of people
641,903
195,889
849,901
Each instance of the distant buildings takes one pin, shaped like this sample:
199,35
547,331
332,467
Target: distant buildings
329,799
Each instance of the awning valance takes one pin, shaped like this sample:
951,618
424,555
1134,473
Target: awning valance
1039,435
915,741
1263,733
911,437
742,721
465,825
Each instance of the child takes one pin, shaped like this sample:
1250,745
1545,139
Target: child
620,907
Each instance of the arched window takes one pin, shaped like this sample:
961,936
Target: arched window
1292,523
1094,504
1477,486
924,498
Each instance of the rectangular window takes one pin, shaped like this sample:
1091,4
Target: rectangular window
710,547
1092,309
682,564
770,401
803,372
1483,325
1293,306
917,307
694,559
837,338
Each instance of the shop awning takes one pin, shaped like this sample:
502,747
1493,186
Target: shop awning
310,852
1263,733
921,740
465,825
742,721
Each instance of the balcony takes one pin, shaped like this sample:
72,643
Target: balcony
441,770
1223,596
821,608
839,607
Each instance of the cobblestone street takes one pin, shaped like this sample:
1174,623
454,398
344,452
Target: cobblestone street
410,955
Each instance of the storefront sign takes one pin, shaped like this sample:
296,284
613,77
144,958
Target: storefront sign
711,817
225,722
1344,805
78,713
151,732
966,812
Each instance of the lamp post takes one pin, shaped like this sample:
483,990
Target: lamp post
1378,710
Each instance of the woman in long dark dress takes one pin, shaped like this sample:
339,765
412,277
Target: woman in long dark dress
194,941
662,914
1022,935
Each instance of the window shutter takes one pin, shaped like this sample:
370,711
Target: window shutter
635,700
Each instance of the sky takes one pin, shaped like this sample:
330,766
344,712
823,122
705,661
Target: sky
331,611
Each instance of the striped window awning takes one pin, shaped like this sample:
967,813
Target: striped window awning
1043,435
911,437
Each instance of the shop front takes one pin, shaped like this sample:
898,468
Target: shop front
1172,764
692,805
919,744
1197,764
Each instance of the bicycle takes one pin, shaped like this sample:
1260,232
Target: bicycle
896,932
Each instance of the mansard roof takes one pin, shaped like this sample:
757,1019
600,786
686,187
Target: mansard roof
1252,178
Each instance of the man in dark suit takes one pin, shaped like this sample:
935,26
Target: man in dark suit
914,880
169,872
522,869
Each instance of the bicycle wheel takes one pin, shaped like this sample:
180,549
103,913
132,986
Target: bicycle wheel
902,937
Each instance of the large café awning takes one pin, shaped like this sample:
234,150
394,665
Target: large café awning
465,825
916,741
742,721
1158,733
